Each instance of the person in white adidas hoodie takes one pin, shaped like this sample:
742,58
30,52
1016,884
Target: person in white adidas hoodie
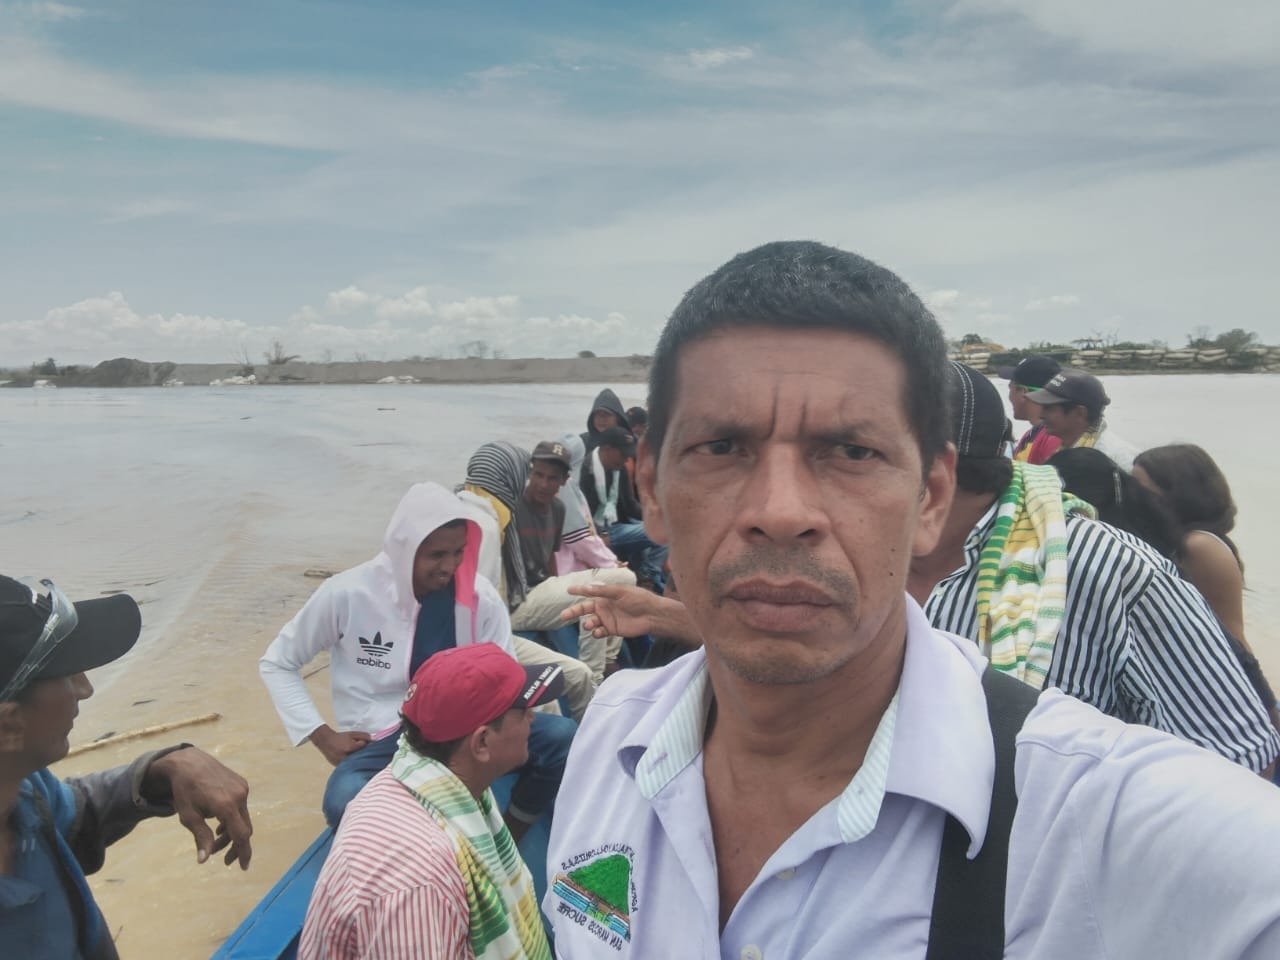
380,621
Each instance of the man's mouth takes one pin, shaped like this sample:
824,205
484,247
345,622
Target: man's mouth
779,607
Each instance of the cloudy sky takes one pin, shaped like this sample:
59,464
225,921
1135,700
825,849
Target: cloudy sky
190,181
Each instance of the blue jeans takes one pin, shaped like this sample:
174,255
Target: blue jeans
534,792
632,544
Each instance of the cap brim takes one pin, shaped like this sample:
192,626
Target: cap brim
1046,399
106,629
542,685
550,459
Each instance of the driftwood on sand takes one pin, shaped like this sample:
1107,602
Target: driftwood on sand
143,732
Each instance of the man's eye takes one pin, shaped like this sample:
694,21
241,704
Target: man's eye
718,448
852,451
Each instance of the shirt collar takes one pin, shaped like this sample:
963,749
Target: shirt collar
932,743
981,531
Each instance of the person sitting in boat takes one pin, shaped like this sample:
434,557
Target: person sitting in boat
1060,601
1071,408
1037,445
606,413
53,831
422,865
526,489
379,622
607,485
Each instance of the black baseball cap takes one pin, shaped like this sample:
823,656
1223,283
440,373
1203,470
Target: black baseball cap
979,427
554,451
106,628
619,439
1032,371
1072,386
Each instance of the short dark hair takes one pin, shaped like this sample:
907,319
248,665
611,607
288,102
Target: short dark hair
983,474
435,750
637,416
803,285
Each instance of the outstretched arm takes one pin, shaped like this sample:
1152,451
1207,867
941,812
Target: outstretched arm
624,611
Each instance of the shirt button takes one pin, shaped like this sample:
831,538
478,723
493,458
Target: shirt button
787,874
752,952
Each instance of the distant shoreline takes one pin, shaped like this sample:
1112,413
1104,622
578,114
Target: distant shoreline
125,372
139,373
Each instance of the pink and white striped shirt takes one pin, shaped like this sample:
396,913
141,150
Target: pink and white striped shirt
391,886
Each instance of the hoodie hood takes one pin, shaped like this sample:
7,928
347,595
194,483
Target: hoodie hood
607,400
422,511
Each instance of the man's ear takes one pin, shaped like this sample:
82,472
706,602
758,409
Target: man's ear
13,729
655,524
936,495
478,744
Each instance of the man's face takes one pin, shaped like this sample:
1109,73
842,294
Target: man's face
602,420
545,480
791,491
611,458
437,559
1065,420
48,712
1023,409
509,744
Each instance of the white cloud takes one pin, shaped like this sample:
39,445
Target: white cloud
98,328
1048,303
44,12
712,57
1185,31
941,299
348,298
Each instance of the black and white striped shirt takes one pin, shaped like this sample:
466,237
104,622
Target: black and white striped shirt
1137,641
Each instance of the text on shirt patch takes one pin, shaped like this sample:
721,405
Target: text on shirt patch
596,892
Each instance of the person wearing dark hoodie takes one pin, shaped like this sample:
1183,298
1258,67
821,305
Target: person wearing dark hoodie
616,509
606,412
382,620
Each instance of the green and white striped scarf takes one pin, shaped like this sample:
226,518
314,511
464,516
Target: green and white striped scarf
505,924
1022,573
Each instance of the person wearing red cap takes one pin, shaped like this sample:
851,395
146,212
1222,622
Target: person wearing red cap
423,864
52,831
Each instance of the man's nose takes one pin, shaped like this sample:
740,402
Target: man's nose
781,500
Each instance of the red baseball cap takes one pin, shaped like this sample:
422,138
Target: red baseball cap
463,688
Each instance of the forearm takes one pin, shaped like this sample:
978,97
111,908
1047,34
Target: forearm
110,803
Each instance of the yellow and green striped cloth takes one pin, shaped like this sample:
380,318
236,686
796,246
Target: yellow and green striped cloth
1022,573
505,923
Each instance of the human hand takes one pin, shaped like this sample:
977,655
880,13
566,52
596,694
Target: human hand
626,611
338,745
200,788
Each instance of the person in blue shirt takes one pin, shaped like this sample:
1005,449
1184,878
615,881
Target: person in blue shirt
53,831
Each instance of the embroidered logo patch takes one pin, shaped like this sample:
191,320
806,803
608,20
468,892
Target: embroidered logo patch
596,892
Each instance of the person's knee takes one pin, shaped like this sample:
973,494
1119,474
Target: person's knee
552,736
342,787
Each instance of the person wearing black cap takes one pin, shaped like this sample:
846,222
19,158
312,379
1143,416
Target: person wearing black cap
1037,445
52,831
1060,600
1071,405
538,519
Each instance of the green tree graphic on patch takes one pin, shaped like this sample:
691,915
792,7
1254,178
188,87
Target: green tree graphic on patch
609,878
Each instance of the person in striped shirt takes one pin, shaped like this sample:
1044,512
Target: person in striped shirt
1135,640
423,865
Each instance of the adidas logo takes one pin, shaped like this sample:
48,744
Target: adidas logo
374,651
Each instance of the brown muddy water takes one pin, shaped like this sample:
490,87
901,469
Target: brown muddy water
210,505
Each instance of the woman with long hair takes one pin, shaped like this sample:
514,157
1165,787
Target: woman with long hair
1191,486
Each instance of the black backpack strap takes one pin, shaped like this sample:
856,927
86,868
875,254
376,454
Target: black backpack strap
968,898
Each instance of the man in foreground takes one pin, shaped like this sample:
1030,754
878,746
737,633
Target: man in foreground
783,791
422,865
53,832
1059,600
379,622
